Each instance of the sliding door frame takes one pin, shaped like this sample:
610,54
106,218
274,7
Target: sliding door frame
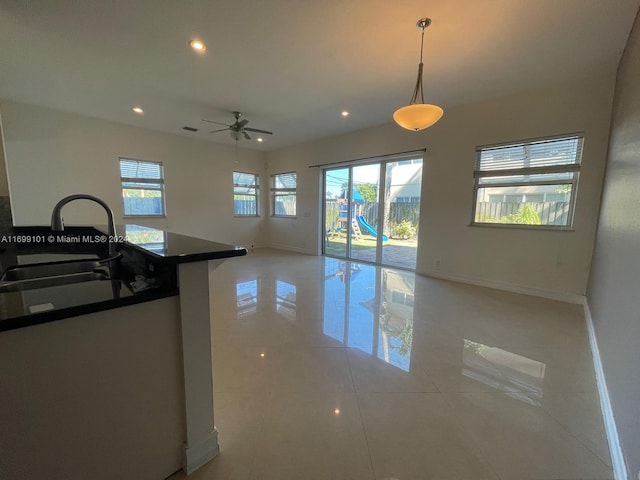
383,180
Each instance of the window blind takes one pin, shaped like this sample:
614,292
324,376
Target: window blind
138,169
545,153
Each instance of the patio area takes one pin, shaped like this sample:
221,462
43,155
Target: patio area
395,252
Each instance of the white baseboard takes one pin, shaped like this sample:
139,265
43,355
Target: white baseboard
509,287
617,458
289,248
196,456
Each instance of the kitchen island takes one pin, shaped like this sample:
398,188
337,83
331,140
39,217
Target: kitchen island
109,378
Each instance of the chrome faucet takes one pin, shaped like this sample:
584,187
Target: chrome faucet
57,224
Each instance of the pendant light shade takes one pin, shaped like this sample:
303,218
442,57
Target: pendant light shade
418,115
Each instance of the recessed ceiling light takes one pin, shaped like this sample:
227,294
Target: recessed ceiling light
197,45
344,113
138,110
260,139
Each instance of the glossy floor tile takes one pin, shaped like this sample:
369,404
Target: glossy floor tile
327,369
412,436
521,440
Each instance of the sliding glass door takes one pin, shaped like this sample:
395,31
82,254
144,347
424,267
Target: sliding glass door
371,212
401,212
363,215
336,211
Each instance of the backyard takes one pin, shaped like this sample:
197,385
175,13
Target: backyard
395,251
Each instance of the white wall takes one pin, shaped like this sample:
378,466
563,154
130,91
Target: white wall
549,263
51,154
615,280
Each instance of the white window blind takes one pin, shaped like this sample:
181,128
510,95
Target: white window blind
528,183
543,153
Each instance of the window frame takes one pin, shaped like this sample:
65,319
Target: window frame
257,194
275,192
143,180
572,168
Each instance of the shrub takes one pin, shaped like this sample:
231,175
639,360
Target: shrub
404,229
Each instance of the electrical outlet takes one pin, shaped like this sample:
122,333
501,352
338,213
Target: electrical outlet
437,263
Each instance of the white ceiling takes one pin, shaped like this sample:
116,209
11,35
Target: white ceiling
291,66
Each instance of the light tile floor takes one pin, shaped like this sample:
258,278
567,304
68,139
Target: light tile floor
325,369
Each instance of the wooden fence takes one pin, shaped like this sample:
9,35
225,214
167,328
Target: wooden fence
242,206
550,213
398,212
143,205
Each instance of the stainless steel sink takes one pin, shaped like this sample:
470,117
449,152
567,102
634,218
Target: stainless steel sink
52,281
39,270
40,275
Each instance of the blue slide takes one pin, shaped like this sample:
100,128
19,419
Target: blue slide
363,223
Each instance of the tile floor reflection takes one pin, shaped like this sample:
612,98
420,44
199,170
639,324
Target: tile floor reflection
371,309
504,371
326,369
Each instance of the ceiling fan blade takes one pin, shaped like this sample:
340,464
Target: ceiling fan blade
213,121
246,135
249,129
242,123
219,130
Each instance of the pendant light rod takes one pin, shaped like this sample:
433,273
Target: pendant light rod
422,23
418,88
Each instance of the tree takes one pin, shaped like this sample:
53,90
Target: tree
369,192
525,215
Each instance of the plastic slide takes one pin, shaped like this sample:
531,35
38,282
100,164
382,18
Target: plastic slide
368,228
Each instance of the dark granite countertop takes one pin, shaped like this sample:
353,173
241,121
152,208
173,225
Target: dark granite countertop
174,247
147,252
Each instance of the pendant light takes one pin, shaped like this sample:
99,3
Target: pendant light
418,115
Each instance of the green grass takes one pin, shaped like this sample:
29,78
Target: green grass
336,244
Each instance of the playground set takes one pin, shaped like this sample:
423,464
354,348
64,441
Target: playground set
358,222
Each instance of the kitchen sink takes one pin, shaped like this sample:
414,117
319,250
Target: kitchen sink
40,270
41,275
52,281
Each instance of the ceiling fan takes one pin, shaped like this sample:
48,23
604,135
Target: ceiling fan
238,128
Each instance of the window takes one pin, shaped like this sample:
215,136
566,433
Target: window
142,187
245,194
532,183
284,194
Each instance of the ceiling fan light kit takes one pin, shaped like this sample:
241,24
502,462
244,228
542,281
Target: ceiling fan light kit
238,129
418,115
